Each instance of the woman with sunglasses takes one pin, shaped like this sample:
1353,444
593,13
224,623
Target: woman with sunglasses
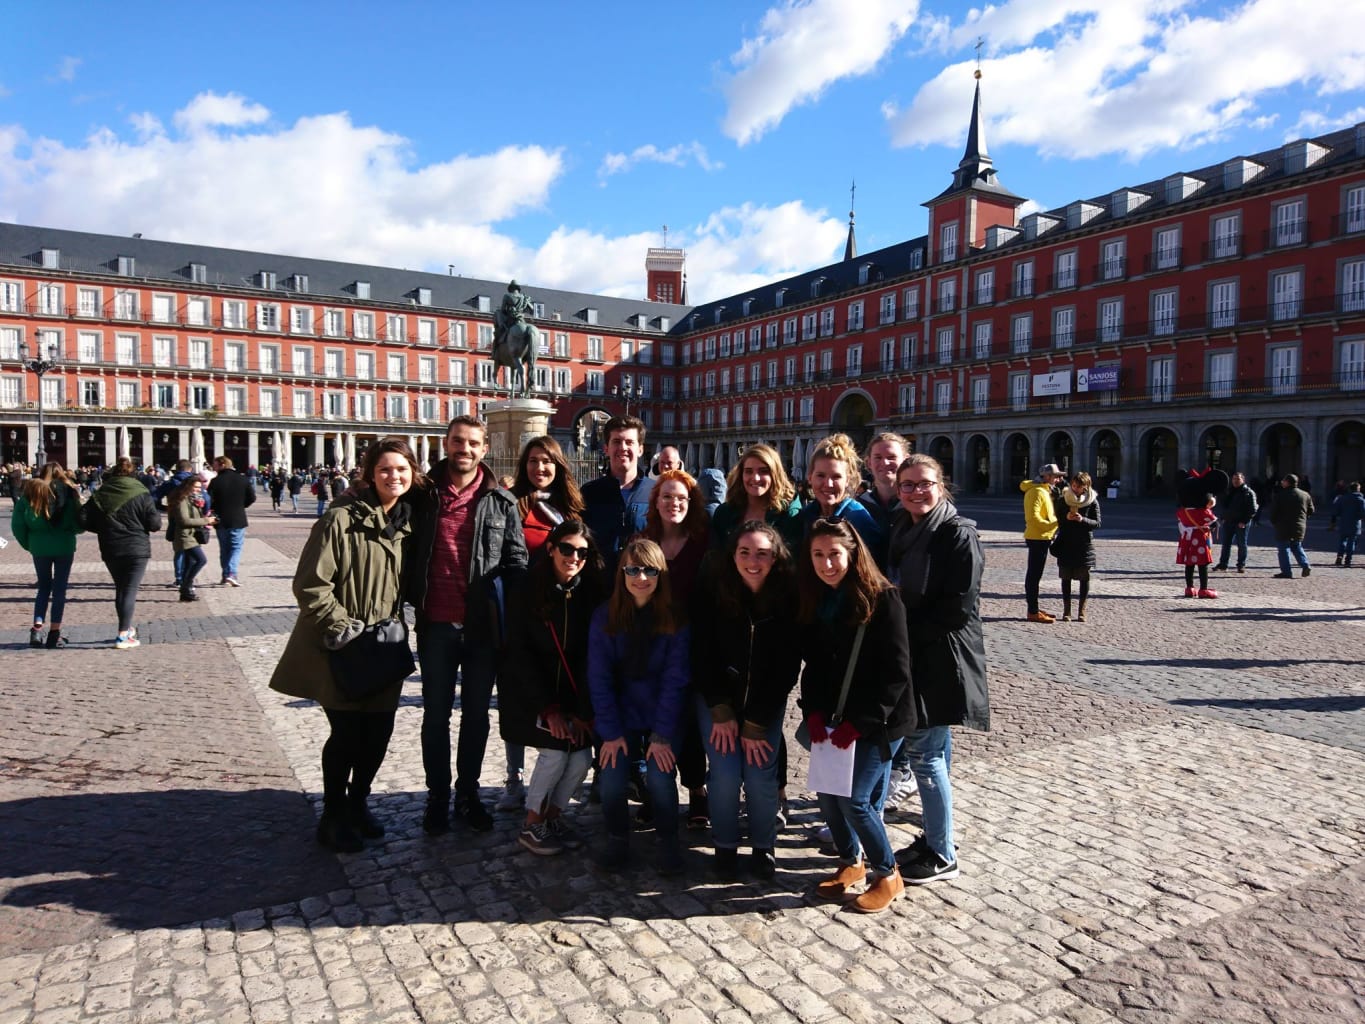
849,613
637,676
936,559
759,488
677,521
543,683
834,471
745,664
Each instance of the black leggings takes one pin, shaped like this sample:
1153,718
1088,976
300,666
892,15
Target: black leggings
127,574
1084,589
353,753
1203,576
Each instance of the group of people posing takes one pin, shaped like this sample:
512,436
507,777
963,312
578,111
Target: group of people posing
629,630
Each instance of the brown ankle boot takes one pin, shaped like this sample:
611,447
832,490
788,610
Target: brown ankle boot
880,894
1080,612
836,887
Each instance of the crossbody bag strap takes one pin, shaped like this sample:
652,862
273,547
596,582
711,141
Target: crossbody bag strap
562,659
848,674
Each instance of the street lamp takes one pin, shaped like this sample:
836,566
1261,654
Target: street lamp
628,391
40,366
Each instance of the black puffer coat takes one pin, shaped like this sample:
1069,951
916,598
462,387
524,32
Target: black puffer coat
1073,546
122,515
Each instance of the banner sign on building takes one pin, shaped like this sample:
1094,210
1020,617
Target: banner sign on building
1058,383
1098,378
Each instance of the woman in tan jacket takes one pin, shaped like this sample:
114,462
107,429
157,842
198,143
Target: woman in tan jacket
185,504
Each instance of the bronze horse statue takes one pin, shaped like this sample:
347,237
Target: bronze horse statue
515,342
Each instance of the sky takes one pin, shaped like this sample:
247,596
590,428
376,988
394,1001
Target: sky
554,142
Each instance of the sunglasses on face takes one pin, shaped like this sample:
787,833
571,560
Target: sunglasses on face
572,551
635,570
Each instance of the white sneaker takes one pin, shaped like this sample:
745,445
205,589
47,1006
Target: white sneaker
513,795
900,789
126,641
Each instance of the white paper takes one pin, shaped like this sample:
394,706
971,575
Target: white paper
831,769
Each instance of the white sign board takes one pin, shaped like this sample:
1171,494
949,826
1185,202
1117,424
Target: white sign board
1058,383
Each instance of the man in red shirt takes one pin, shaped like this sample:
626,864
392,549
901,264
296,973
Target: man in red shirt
468,535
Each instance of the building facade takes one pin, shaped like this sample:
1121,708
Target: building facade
1214,317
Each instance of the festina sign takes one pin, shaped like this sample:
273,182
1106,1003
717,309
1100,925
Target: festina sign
1058,383
1098,378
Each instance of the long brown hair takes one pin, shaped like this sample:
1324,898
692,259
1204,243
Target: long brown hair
695,525
861,586
621,608
730,588
540,578
41,491
779,496
565,497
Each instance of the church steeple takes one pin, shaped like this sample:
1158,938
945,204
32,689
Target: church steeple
976,171
851,247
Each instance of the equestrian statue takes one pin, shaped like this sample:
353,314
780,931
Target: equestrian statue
515,341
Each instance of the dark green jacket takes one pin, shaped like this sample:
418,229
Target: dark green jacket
49,538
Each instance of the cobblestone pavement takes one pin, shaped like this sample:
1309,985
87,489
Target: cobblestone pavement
1165,824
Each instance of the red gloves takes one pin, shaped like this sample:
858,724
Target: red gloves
844,735
815,725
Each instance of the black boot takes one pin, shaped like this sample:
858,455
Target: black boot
361,819
55,638
336,833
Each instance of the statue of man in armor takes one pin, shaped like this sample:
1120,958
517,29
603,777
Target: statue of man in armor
516,308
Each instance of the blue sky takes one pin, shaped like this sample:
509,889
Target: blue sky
552,141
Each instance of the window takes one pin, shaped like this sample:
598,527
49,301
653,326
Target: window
265,278
458,370
808,367
772,373
395,328
92,394
12,392
457,335
9,342
485,337
1227,236
1023,279
725,382
945,345
1284,369
126,266
1161,378
163,351
127,394
645,357
594,348
1064,269
984,291
909,351
364,406
853,361
234,401
362,289
1163,311
1111,320
1167,255
163,309
562,348
770,335
1286,289
125,305
910,303
1222,370
947,241
395,407
364,366
905,399
981,394
807,411
52,259
1353,286
267,316
594,382
197,311
888,354
1112,259
426,405
1021,333
362,325
301,319
888,308
270,358
947,295
1063,327
50,299
1223,304
334,405
789,331
827,322
334,364
1355,209
855,316
826,364
1351,365
201,397
665,386
564,382
52,392
709,347
426,370
943,397
163,396
301,361
88,347
628,348
234,356
11,296
1289,226
788,410
199,273
234,314
394,367
198,353
807,326
981,340
87,301
789,370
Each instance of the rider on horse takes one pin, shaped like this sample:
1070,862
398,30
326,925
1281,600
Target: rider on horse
515,337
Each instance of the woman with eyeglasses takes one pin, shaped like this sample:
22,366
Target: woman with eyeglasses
543,698
937,561
758,488
851,615
834,471
638,670
745,665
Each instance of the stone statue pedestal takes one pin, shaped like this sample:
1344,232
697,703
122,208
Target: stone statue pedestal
513,422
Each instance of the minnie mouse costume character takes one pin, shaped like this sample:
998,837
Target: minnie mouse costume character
1198,493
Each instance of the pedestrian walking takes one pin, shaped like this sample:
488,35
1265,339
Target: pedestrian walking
123,515
1073,545
188,533
231,494
1290,508
1348,509
295,486
1236,512
45,522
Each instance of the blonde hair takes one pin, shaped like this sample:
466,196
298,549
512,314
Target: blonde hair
839,448
782,491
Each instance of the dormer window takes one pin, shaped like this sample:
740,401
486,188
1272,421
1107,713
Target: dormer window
718,311
423,296
361,289
865,273
52,259
265,279
126,266
199,273
815,287
299,283
483,303
590,316
748,306
780,298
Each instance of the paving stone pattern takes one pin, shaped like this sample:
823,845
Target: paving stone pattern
1164,824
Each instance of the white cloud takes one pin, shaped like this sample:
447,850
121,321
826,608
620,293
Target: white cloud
802,47
211,110
66,69
1083,78
676,156
1312,122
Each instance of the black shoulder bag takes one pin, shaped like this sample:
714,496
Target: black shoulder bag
375,660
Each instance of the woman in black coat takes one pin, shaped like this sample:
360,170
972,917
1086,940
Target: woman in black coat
122,515
936,557
1073,546
543,698
744,665
847,602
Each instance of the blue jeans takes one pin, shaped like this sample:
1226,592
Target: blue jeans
931,756
1346,548
1285,548
855,822
1233,534
662,786
53,573
445,653
193,559
230,541
728,773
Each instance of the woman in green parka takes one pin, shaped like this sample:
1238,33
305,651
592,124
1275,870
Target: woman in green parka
45,523
349,577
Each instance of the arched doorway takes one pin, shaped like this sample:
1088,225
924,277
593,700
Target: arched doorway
1346,451
1108,458
165,447
941,448
1161,450
587,432
1281,451
1218,448
853,415
979,454
1061,451
1019,454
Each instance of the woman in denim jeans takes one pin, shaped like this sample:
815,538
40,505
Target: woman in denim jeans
45,523
936,556
744,665
840,590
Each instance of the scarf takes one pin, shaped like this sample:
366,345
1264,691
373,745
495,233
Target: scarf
909,556
1079,501
115,492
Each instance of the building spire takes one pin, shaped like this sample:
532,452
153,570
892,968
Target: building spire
851,247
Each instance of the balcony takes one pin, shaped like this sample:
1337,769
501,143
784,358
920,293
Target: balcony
1063,281
1111,270
1227,247
1344,224
1287,236
1163,260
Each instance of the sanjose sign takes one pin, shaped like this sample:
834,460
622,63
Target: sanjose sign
1098,378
